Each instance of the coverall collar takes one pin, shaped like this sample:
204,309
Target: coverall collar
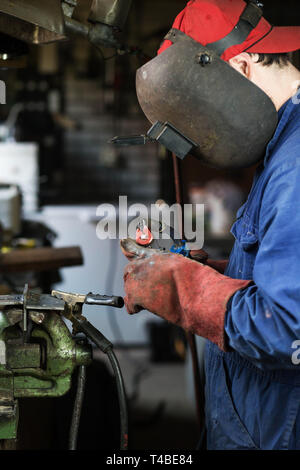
284,115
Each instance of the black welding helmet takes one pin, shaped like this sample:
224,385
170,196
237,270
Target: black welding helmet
199,105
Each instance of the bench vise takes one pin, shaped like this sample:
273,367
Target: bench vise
38,354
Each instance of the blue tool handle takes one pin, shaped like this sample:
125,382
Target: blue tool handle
181,250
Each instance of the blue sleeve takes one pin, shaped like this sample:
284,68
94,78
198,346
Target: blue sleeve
263,321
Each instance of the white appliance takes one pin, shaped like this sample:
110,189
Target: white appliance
19,166
10,208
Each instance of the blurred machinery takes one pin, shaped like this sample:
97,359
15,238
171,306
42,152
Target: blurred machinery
42,22
10,209
38,354
37,111
26,252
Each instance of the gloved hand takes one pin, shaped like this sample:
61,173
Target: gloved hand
202,256
182,291
132,251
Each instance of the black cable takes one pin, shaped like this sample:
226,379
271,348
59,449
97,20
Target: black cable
106,346
122,398
77,408
140,370
98,49
133,51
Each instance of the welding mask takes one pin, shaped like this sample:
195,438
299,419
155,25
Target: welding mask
199,105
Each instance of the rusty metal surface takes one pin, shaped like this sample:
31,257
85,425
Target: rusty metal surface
69,298
40,259
23,356
34,302
230,119
27,32
43,13
111,12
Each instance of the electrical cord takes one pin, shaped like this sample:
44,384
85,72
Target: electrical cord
140,371
99,50
122,398
136,51
77,408
106,346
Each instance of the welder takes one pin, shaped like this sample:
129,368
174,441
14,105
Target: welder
248,308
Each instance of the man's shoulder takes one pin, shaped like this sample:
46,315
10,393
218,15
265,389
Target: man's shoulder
287,151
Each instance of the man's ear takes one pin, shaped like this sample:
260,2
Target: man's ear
243,63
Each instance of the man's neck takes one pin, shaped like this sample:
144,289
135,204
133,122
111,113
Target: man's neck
283,83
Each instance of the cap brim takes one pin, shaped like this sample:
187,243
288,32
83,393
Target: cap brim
280,40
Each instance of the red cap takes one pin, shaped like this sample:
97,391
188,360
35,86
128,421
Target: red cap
211,20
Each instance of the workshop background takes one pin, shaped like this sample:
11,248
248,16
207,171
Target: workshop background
61,110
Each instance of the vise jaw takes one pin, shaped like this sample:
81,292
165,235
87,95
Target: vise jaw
38,354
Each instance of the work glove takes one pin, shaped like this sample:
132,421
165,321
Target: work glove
180,290
202,257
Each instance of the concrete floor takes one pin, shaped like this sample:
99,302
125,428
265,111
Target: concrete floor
162,416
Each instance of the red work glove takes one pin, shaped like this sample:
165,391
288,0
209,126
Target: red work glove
219,265
202,256
133,251
180,290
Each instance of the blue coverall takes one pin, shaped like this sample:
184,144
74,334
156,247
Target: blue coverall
253,391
